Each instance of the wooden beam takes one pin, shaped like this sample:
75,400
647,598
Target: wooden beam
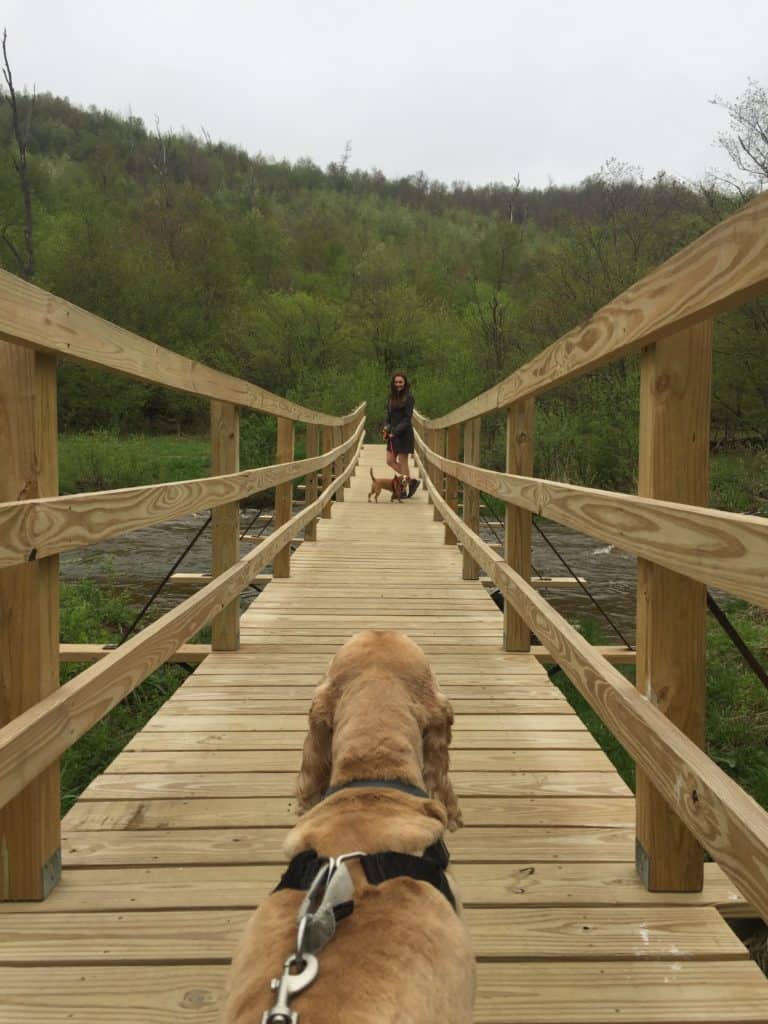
192,654
725,549
32,317
225,459
34,529
281,567
720,270
338,466
541,582
727,822
452,438
30,854
206,577
517,527
471,496
34,739
614,655
675,383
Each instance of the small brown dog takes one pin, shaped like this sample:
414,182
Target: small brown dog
397,485
403,952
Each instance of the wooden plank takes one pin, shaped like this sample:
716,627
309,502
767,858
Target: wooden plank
675,385
286,441
273,812
264,845
29,627
721,269
48,526
263,783
723,549
192,654
637,993
225,526
238,740
498,885
728,823
286,761
471,496
517,521
37,737
209,936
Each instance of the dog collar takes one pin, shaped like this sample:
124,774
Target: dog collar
404,787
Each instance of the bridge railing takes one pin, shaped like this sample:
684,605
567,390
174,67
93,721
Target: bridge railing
39,719
684,800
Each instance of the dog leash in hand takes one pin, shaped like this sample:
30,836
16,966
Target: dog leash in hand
328,900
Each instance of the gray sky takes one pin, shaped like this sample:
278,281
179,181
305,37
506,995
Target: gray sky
477,91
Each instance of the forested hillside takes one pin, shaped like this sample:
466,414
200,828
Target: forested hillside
318,284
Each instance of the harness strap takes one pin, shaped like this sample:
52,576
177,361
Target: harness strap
378,868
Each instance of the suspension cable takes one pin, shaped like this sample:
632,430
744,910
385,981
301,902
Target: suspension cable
499,540
592,598
165,579
737,640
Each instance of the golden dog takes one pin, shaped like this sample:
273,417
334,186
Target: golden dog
397,485
403,954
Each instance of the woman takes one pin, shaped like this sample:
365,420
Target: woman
399,429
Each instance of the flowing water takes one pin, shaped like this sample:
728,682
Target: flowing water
137,562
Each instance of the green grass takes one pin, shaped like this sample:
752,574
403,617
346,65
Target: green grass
90,614
738,482
101,460
737,704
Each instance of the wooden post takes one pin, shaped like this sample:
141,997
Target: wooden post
30,835
327,470
310,490
452,438
471,510
438,438
517,528
675,385
338,466
281,565
346,432
225,458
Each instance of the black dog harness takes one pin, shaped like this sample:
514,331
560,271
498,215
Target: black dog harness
378,867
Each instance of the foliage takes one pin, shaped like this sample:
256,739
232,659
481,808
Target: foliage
92,615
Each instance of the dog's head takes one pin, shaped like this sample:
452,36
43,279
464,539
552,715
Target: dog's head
379,708
399,487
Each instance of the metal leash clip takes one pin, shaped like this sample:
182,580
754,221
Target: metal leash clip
289,985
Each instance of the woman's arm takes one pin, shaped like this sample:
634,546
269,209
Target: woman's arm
405,420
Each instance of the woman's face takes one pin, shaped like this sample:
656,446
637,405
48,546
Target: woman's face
399,382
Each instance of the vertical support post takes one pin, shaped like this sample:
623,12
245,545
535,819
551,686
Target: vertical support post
30,835
471,510
452,438
429,440
517,525
346,432
327,470
281,565
310,489
338,466
225,458
439,477
675,384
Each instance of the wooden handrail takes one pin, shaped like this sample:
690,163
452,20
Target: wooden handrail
725,549
727,822
38,736
720,270
46,526
34,318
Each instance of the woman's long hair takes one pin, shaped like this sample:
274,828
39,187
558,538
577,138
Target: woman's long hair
397,398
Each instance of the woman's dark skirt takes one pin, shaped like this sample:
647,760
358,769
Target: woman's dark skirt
402,444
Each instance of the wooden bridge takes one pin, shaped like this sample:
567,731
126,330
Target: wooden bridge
586,904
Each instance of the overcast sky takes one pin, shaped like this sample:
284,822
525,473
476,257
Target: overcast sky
478,90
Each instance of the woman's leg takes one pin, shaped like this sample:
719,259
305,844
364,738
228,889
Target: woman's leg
392,458
402,465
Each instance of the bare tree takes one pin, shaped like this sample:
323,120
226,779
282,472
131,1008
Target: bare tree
25,259
746,142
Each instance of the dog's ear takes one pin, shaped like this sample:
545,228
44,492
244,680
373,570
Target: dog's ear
436,739
315,773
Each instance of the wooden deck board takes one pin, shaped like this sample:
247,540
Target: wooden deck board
167,851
